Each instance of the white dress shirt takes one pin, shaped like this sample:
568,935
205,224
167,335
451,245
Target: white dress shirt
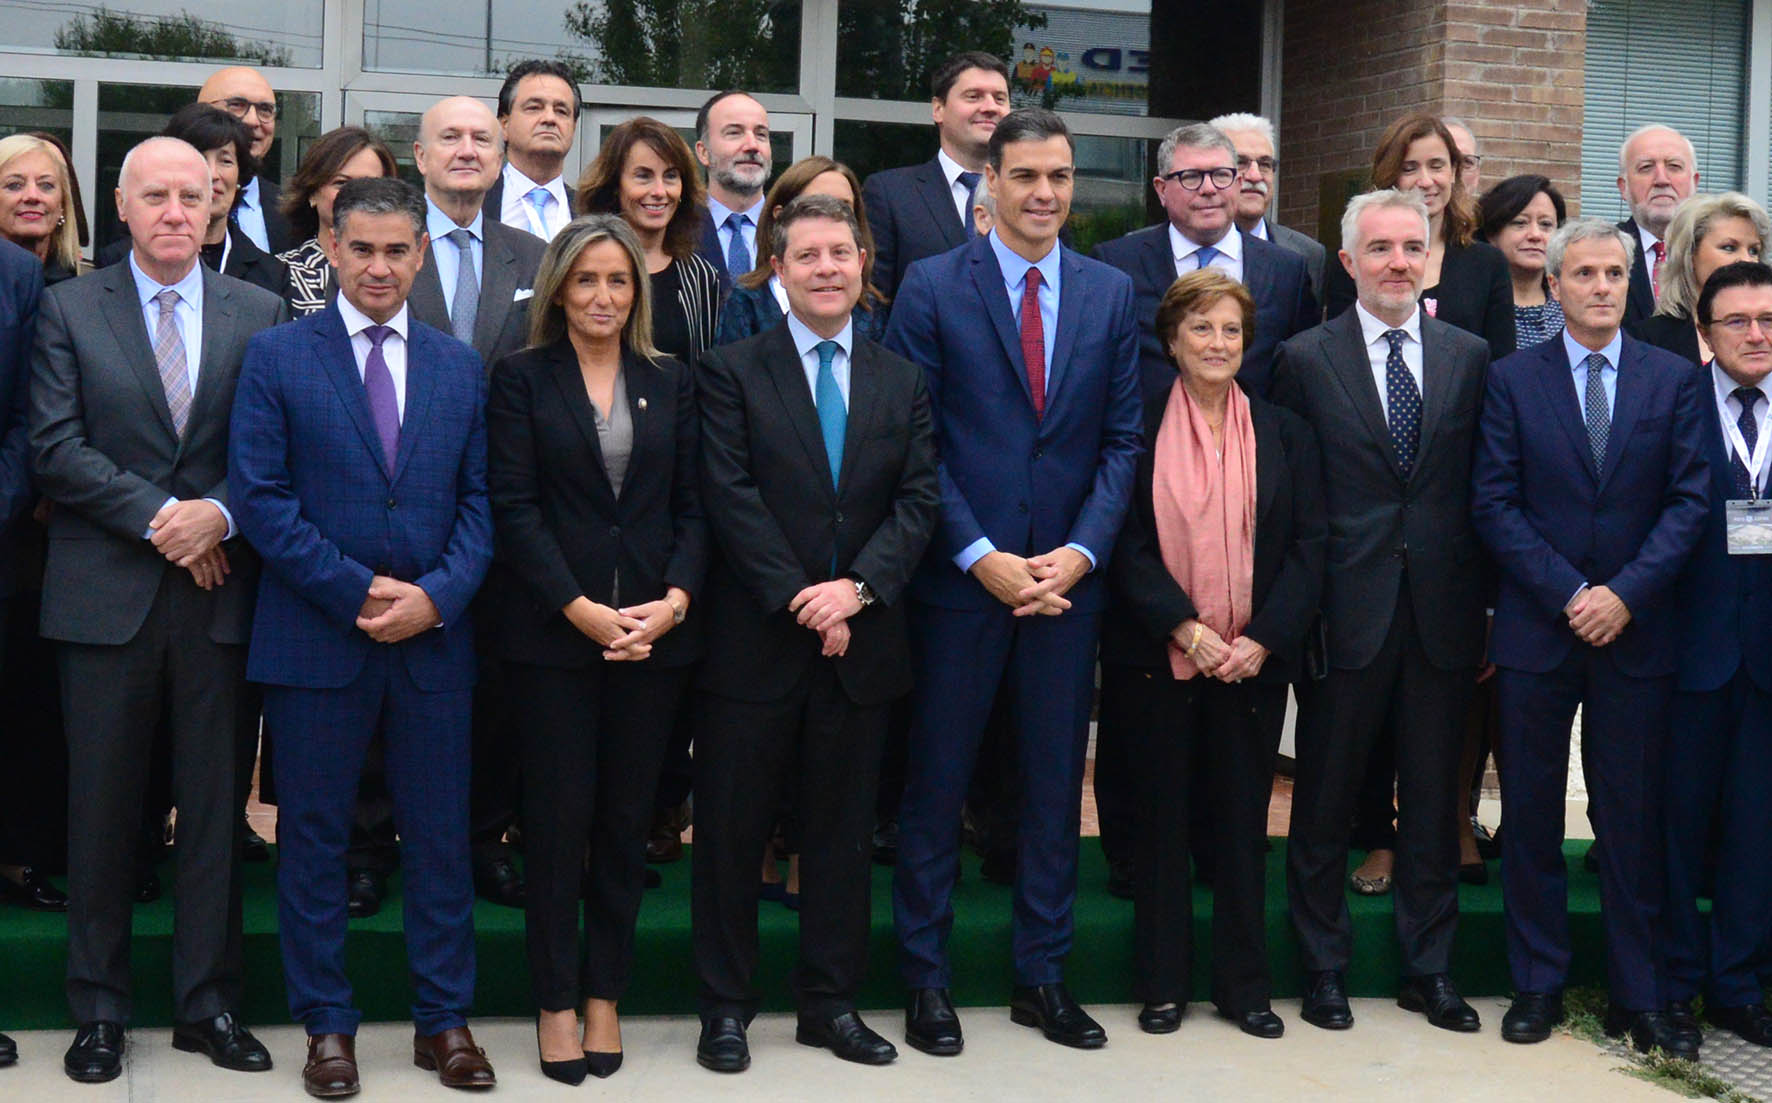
1260,229
1229,259
1729,413
249,215
393,346
1378,350
806,344
448,256
780,293
962,194
1578,354
515,209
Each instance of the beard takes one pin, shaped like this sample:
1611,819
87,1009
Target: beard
743,179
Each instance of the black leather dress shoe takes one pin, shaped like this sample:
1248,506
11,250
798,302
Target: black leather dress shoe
227,1042
1752,1022
364,890
8,1051
1434,996
1325,1001
1258,1024
147,888
846,1036
930,1023
886,842
1531,1016
1058,1016
1651,1030
253,847
722,1047
497,880
97,1053
33,890
1679,1012
1157,1018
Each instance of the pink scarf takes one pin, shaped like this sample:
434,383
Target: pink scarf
1205,512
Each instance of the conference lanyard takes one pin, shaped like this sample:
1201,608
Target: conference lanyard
1754,458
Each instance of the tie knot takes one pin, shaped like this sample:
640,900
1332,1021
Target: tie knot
1747,396
461,238
737,221
167,298
540,195
1396,337
378,334
1596,361
1660,250
1207,255
1033,278
827,353
970,179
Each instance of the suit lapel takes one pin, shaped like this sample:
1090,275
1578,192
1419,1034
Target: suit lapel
577,402
939,198
789,378
864,401
218,321
987,279
340,364
123,311
498,282
1560,396
426,297
1436,385
1627,406
1070,318
641,380
421,384
1267,475
1158,259
1352,363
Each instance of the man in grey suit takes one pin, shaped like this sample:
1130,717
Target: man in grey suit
149,596
1257,167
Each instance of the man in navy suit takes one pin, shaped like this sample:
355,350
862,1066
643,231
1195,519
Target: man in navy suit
358,468
1590,489
1197,184
1721,749
920,210
732,143
1031,353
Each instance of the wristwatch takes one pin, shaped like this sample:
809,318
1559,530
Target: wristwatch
678,612
865,593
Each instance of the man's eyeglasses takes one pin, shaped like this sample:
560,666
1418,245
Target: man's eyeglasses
1191,179
238,106
1267,165
1736,325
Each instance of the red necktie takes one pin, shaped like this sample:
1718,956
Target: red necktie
1660,251
1033,341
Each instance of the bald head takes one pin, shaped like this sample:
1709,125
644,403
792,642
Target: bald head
244,93
163,200
458,153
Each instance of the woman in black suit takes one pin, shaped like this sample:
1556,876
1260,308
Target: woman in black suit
592,438
1708,232
1213,586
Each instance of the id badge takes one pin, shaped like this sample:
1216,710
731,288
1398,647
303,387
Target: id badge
1749,526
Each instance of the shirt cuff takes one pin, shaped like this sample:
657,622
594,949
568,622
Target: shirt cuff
148,533
1087,554
1575,595
226,516
973,552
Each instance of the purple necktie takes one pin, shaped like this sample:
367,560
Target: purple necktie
384,407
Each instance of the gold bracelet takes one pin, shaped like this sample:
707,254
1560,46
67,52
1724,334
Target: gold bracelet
1199,630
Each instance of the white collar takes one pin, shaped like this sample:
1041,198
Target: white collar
720,212
189,286
1230,245
805,340
1373,328
519,184
356,321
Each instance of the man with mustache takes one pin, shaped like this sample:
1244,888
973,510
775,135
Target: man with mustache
732,142
1257,167
538,110
1657,171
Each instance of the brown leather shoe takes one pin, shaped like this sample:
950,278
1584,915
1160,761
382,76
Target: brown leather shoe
331,1071
458,1062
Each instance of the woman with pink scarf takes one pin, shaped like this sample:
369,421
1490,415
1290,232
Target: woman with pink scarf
1214,586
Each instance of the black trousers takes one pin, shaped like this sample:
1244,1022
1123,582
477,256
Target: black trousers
743,751
112,697
1161,716
593,740
1341,719
34,809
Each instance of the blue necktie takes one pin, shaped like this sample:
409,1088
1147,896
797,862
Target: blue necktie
539,197
1599,413
1206,254
1404,400
970,180
465,306
1750,436
833,417
738,256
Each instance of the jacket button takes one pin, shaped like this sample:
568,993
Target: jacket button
615,531
392,503
1038,452
1021,507
839,517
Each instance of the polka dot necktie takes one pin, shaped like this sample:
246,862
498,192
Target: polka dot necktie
1403,399
1750,436
1599,412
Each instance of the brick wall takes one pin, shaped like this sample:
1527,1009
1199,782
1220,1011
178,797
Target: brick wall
1351,67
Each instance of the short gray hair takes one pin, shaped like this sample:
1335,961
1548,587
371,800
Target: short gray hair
1585,229
378,195
811,206
1192,136
1243,120
1624,146
1691,225
1384,198
1450,121
982,197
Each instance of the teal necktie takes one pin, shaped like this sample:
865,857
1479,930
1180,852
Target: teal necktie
833,418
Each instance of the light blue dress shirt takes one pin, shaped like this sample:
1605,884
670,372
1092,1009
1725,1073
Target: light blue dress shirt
1015,278
448,257
806,344
720,212
1578,354
249,215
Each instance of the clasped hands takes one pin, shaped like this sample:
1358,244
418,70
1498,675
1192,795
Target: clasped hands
626,634
1228,662
189,535
396,610
1035,585
1597,615
826,607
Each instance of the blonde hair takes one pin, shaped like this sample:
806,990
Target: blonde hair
547,318
64,239
1690,225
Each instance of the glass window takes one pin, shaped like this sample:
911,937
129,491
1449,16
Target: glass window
40,105
752,44
1089,57
869,147
399,129
781,144
287,34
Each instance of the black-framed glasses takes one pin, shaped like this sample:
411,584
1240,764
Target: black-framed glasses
1191,179
238,106
1266,164
1738,324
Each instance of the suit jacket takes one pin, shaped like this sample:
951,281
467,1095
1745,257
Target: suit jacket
1673,332
21,290
782,526
751,310
1275,276
709,250
1029,484
1641,301
508,263
911,215
561,531
278,233
1476,294
1388,531
1313,251
312,493
1725,601
1553,523
246,261
1145,601
107,456
493,206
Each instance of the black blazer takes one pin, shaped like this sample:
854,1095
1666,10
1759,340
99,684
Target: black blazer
1668,331
1387,531
911,215
1641,301
1276,276
781,526
493,206
246,261
1476,294
1145,603
561,532
708,249
278,233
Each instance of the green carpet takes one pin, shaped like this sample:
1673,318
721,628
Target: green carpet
33,949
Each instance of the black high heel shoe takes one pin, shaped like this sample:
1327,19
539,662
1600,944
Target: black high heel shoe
602,1065
566,1072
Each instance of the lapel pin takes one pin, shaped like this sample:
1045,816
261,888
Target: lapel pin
641,404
